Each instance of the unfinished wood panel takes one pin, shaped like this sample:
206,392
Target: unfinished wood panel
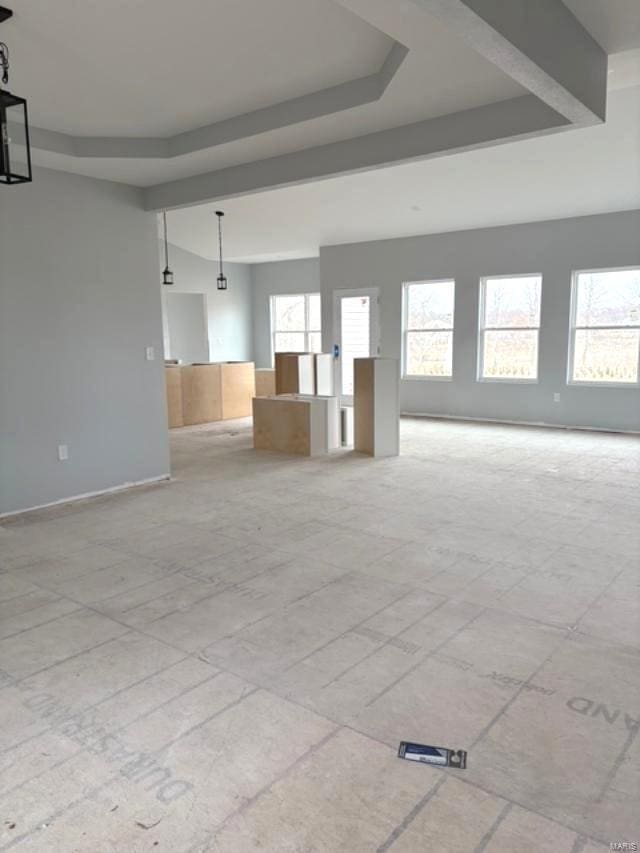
238,388
363,380
325,421
295,373
173,382
201,393
281,424
324,375
265,382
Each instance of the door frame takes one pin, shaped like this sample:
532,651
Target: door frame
374,329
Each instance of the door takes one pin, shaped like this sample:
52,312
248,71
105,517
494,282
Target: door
356,333
187,327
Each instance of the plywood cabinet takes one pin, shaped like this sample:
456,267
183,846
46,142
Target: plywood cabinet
237,388
295,373
265,382
173,381
203,393
376,406
324,374
294,424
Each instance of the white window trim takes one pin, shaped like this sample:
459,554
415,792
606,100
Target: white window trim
405,330
482,329
306,331
582,383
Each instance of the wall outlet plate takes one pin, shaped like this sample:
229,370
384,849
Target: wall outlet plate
63,452
556,397
150,353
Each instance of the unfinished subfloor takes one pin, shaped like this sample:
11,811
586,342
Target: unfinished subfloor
228,662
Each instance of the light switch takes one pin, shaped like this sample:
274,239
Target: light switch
556,397
63,452
150,354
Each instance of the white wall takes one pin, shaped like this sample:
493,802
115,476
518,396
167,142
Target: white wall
302,276
551,248
230,318
79,303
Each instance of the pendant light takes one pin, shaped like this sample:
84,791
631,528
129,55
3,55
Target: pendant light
222,279
167,275
15,149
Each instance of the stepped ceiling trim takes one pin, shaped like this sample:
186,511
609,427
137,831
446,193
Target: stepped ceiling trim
345,96
541,45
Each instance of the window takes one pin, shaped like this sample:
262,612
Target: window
428,329
605,327
509,328
295,323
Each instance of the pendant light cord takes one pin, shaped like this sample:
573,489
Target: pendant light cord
220,239
166,247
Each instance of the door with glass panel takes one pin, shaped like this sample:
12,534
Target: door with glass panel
296,323
356,333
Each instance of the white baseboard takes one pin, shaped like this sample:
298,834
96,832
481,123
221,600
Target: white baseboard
122,487
517,423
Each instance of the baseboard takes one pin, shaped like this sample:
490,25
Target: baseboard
518,423
122,487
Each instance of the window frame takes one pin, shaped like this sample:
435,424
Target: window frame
306,331
583,383
482,328
412,377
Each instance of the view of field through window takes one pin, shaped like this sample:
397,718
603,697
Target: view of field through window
509,327
429,328
296,323
606,326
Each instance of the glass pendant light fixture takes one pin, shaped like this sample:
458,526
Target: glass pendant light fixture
15,149
167,275
222,279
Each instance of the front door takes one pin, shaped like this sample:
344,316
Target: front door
356,333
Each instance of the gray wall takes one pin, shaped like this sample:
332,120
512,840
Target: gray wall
229,313
301,276
187,326
79,303
551,248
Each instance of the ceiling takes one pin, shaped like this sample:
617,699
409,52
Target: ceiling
314,121
614,24
581,172
153,67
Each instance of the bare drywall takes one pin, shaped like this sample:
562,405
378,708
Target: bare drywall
79,306
553,248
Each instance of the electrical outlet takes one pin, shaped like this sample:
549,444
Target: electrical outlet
63,452
150,354
556,397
